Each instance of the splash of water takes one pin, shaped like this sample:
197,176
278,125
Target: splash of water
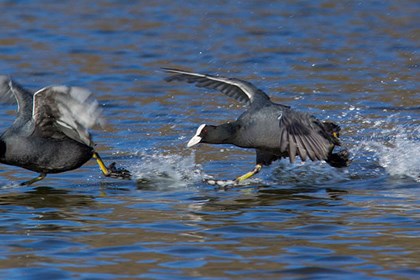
11,185
396,148
308,173
399,154
172,170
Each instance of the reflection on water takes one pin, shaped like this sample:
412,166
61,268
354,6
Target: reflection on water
351,62
45,197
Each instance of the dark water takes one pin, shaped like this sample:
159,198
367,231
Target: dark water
355,62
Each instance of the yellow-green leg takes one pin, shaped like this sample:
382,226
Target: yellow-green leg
228,183
30,182
101,164
248,175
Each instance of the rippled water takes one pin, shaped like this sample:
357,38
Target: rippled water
355,62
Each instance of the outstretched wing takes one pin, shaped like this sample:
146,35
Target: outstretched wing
303,135
240,90
10,91
71,110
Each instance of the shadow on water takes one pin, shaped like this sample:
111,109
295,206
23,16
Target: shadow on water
47,197
252,197
301,193
44,209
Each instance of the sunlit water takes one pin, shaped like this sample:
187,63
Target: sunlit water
352,62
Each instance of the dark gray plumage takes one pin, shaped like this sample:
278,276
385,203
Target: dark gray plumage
50,133
274,130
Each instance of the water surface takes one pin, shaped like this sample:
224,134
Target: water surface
352,62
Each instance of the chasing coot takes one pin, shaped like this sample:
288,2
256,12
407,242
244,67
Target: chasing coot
274,130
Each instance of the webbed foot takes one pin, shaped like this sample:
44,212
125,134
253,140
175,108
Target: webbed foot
340,159
233,183
118,173
221,183
111,170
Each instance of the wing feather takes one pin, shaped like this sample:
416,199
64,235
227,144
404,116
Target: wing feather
10,92
299,137
240,90
284,141
72,110
292,148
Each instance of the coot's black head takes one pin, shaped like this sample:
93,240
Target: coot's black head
201,135
212,134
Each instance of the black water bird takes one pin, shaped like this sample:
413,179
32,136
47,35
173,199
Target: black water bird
50,133
276,131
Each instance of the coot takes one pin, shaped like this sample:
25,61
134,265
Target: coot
274,130
50,133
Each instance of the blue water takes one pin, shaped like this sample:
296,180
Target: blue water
354,62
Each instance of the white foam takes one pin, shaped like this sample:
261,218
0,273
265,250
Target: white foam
396,148
399,154
308,173
12,185
168,170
